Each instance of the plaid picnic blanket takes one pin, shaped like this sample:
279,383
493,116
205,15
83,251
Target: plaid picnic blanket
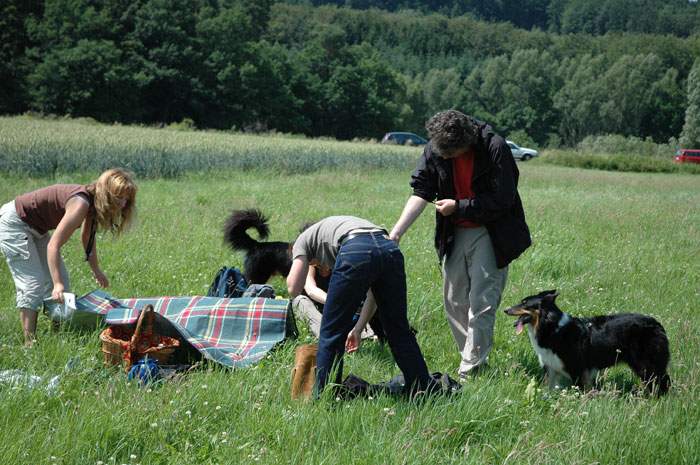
235,332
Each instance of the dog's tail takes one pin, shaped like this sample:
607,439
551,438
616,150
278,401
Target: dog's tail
239,222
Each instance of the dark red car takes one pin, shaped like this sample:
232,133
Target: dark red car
687,156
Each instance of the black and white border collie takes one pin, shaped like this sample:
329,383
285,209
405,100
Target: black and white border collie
572,350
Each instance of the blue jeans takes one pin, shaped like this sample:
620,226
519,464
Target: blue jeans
367,261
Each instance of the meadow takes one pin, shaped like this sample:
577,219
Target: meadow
607,241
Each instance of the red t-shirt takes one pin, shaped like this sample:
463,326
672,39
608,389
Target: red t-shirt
462,170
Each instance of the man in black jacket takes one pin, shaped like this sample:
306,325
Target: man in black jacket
469,173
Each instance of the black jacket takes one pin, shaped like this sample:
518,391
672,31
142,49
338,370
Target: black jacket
496,203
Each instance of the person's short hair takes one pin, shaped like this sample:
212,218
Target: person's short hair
306,225
451,130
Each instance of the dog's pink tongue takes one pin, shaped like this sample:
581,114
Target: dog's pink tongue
519,328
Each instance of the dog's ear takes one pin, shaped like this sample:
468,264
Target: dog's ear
550,296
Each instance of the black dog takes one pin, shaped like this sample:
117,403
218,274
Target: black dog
263,259
574,349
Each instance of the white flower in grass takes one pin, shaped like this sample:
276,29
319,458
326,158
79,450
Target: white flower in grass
389,411
132,457
188,413
154,425
100,462
218,407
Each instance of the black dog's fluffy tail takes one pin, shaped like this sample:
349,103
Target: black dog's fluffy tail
239,222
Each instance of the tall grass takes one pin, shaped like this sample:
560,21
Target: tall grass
615,143
618,162
38,147
618,153
609,242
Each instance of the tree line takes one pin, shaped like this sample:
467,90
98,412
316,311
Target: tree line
329,71
677,17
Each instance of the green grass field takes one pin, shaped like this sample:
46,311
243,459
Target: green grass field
609,242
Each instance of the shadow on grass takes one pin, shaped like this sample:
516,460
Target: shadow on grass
378,350
615,381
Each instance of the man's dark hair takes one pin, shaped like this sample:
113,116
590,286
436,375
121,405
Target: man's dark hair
450,130
306,225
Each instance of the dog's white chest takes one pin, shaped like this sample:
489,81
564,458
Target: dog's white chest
547,358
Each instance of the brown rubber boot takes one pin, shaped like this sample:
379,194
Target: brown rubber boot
304,371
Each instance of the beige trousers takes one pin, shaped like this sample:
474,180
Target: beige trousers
473,285
305,309
25,253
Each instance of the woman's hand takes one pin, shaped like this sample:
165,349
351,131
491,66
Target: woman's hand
446,207
101,278
352,343
57,293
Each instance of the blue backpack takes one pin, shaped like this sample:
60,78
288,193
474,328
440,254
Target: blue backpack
228,282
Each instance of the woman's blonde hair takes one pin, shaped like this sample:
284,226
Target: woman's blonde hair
111,188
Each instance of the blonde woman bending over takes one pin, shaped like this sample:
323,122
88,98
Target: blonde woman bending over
34,254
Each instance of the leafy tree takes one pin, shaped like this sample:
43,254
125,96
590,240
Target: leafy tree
87,79
633,88
14,40
362,95
515,93
690,137
79,68
579,98
222,60
268,84
167,57
442,89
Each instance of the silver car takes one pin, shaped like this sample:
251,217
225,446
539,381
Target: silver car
521,153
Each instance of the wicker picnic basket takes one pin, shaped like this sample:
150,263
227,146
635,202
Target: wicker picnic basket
122,345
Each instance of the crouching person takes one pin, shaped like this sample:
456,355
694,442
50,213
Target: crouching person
34,254
309,305
360,257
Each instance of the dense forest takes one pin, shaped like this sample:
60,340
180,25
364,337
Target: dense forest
678,17
551,71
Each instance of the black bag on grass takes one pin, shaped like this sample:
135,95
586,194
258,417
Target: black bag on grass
260,290
228,282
